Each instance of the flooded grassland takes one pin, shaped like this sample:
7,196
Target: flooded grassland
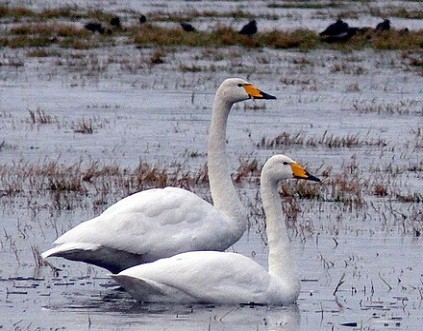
81,128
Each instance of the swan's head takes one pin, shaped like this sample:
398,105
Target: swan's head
236,89
280,167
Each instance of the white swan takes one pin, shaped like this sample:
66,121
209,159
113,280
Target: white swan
223,277
160,223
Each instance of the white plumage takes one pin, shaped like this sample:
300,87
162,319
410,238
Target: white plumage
160,223
223,277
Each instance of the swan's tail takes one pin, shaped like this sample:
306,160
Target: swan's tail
69,249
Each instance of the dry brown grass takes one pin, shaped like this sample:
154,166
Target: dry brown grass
15,12
40,116
247,168
83,126
399,107
351,190
302,189
157,57
40,28
50,29
300,38
346,190
192,14
396,39
326,140
47,34
380,190
223,36
23,178
71,36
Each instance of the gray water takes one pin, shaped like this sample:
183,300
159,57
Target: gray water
160,115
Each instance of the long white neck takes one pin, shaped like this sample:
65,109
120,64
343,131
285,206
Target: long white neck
281,262
222,189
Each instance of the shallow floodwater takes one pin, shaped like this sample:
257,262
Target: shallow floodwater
359,260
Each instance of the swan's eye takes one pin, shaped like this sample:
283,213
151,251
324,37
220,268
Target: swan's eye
239,85
285,163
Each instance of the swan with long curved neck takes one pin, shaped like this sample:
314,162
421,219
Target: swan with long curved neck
224,277
159,223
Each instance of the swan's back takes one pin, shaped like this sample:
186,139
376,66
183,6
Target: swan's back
204,276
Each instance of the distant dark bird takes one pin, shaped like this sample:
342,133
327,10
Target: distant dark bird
188,27
338,32
344,36
249,29
95,27
338,28
383,26
143,19
115,22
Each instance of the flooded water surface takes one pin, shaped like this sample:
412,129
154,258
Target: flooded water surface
354,118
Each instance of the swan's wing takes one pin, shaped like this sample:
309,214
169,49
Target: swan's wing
155,223
102,256
147,290
218,277
141,289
